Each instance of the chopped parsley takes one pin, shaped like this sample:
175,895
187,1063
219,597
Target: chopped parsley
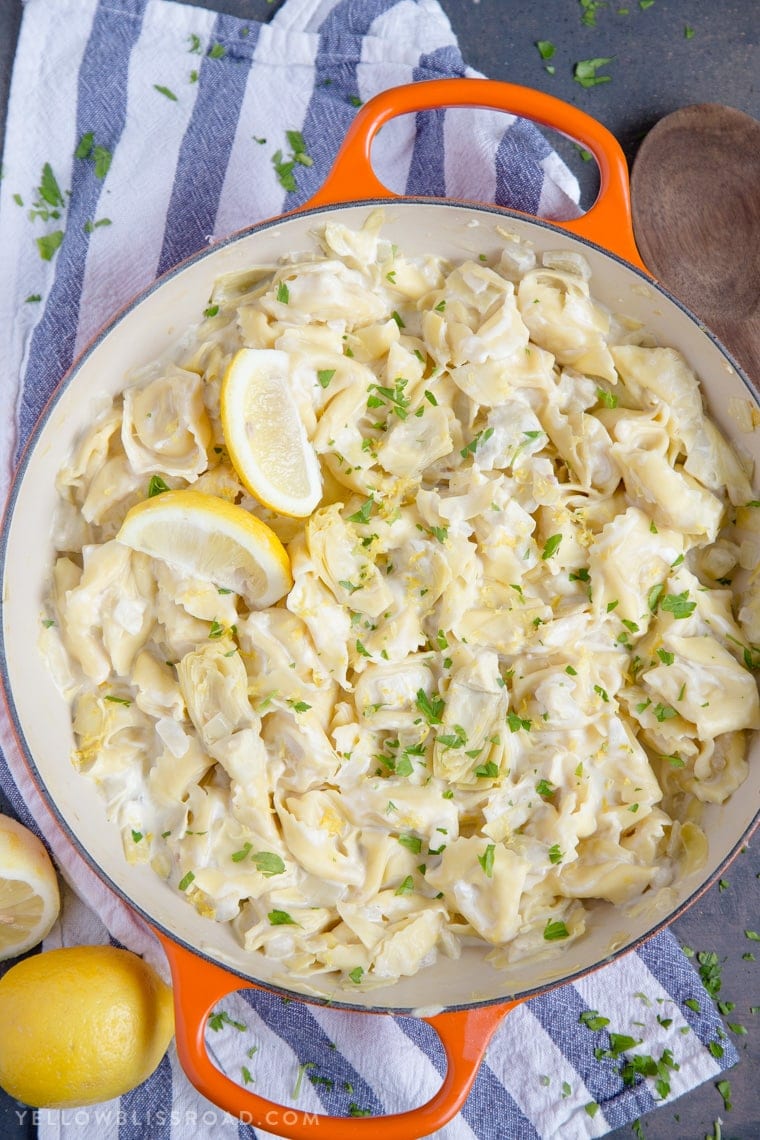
268,863
156,486
516,722
281,918
165,91
431,706
678,605
585,71
553,931
592,1020
365,511
551,546
48,244
609,399
218,1020
471,447
486,860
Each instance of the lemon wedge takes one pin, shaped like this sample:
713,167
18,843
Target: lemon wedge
87,1023
213,540
29,898
265,435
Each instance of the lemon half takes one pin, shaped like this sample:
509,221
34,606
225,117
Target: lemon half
29,898
82,1024
265,435
213,540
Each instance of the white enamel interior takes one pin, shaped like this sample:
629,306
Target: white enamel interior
144,332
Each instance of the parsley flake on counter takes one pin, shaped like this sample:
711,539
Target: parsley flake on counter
298,148
218,1020
167,91
724,1088
284,171
588,11
546,50
90,227
48,244
85,144
592,1020
585,71
100,155
48,189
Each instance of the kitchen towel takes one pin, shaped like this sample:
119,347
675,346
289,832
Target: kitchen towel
138,131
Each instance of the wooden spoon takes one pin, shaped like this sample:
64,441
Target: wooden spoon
695,193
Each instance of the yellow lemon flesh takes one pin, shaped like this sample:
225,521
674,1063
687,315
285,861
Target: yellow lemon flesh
265,435
29,898
211,539
81,1025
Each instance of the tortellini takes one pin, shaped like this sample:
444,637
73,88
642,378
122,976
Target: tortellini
518,651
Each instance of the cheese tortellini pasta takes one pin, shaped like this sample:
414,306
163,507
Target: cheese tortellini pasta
512,664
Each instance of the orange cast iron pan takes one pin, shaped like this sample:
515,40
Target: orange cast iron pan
203,972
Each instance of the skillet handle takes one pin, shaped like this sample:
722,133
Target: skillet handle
198,985
608,222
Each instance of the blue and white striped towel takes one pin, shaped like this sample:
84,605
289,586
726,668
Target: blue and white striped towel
184,110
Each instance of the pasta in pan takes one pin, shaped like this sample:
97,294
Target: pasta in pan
512,663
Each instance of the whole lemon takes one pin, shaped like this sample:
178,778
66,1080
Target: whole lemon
81,1025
